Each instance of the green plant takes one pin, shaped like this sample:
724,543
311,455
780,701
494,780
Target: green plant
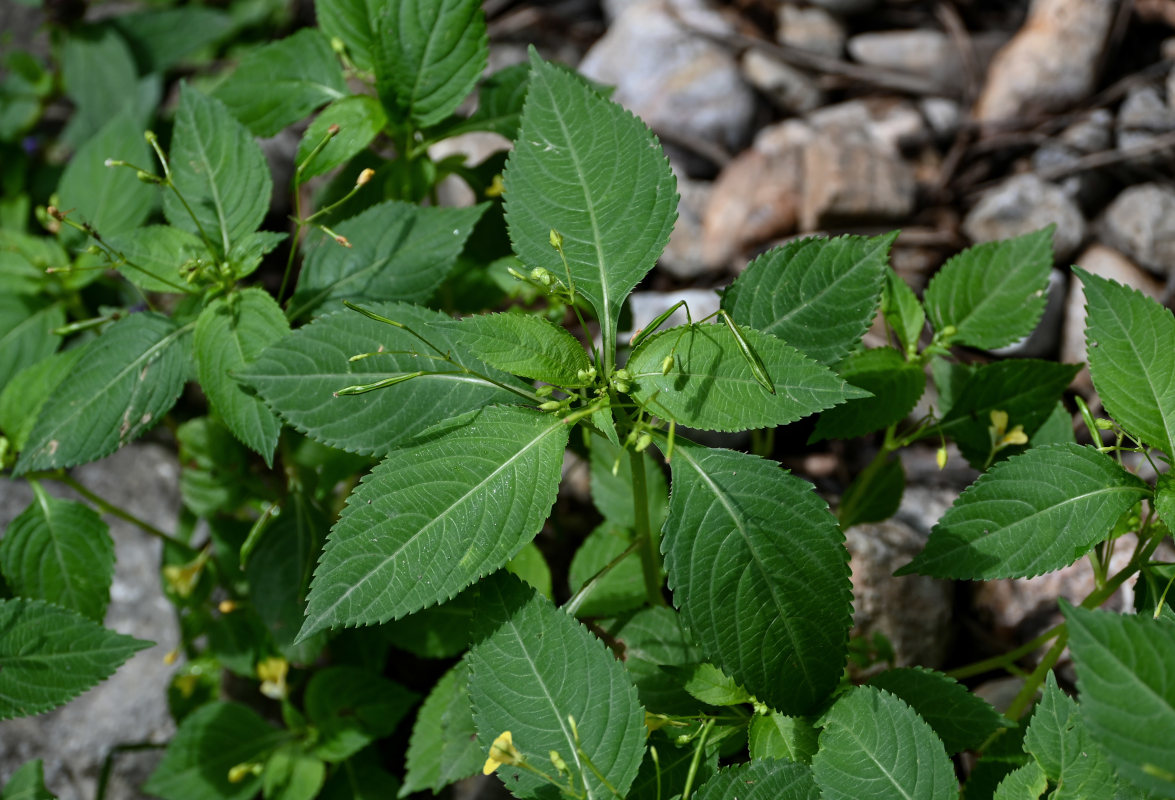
621,692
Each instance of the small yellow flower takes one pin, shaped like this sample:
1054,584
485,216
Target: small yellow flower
227,606
1000,433
999,421
365,176
502,751
171,656
1015,436
272,671
242,771
496,187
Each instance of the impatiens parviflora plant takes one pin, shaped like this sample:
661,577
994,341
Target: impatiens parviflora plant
625,690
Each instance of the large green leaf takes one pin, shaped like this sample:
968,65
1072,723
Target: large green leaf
61,552
111,199
428,56
779,736
585,167
499,104
211,741
352,22
1127,692
24,259
160,38
49,655
1057,739
874,745
220,171
896,385
1025,783
23,397
98,74
758,568
399,251
299,375
961,719
359,118
818,295
441,631
651,638
27,323
279,568
27,783
280,83
231,333
622,589
767,779
1026,389
1129,341
992,293
711,385
1029,515
155,256
351,707
525,345
437,515
537,670
126,380
443,748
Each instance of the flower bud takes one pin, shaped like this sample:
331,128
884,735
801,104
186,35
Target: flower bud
542,276
556,239
365,176
667,364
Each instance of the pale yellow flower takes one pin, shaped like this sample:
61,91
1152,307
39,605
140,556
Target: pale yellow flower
502,751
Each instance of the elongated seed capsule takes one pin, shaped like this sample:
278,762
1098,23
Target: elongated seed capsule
371,387
648,330
753,360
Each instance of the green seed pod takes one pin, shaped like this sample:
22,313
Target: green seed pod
667,364
550,405
642,442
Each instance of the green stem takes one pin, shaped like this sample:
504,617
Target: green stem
650,554
1028,692
572,606
116,511
1004,660
693,764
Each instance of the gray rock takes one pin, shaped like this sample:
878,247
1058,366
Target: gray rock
684,257
941,115
811,28
1047,334
1106,263
1051,61
1143,116
913,612
755,199
672,78
476,147
131,706
929,53
1022,204
645,306
885,122
1141,223
1093,134
790,89
1171,87
849,180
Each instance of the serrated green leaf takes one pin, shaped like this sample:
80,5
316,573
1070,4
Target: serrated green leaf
1057,739
524,345
585,167
896,385
155,256
299,375
441,631
399,251
111,199
902,311
622,589
874,495
499,104
26,332
351,707
818,295
1057,429
160,38
1026,389
780,736
1129,339
279,568
961,719
874,745
220,171
539,668
59,551
1164,500
231,333
992,293
360,119
211,741
758,568
761,780
49,655
651,638
277,84
1127,692
428,56
27,783
352,23
292,774
24,259
612,493
98,74
436,516
23,397
1029,515
711,385
247,252
531,566
443,748
710,685
126,380
1026,783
